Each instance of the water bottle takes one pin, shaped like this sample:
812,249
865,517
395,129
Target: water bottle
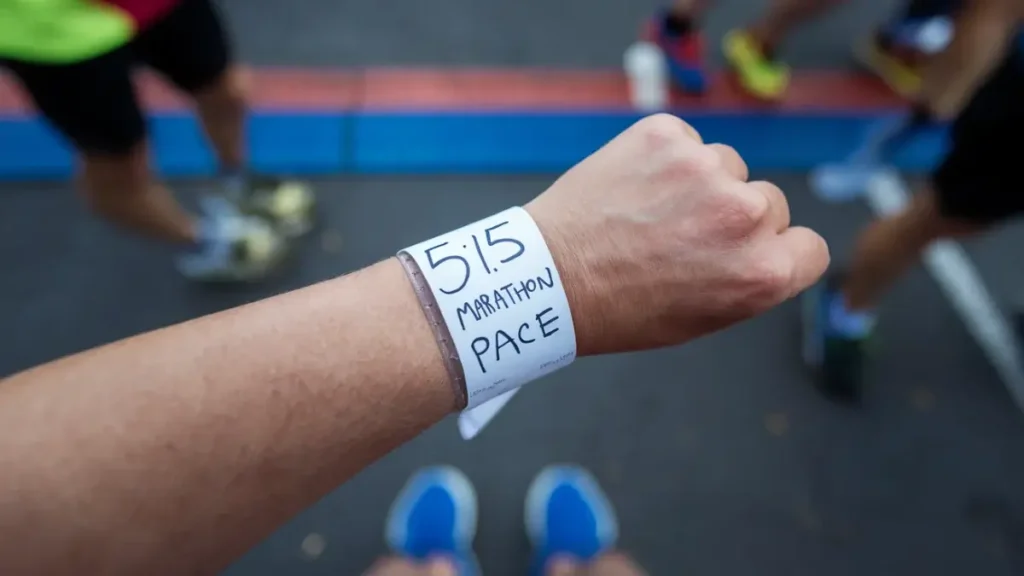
647,72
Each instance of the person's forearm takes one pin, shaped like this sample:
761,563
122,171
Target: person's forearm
211,433
983,30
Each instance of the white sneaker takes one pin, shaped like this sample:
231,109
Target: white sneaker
234,248
289,205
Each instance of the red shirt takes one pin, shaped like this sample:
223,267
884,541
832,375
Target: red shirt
145,12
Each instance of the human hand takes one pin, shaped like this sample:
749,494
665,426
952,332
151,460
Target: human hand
659,239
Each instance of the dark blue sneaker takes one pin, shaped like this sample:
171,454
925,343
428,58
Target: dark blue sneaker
435,516
568,515
834,341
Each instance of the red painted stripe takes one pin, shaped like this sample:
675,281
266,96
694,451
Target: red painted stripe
490,89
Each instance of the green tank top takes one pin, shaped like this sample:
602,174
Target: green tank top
61,31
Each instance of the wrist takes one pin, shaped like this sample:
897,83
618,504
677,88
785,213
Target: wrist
569,256
495,299
424,354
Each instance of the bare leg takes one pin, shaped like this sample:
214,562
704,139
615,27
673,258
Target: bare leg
222,108
984,28
888,247
121,188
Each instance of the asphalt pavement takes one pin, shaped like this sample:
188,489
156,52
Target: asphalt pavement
719,456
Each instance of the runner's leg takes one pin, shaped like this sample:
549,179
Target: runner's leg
191,47
93,104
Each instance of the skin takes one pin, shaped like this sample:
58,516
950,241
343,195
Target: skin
984,29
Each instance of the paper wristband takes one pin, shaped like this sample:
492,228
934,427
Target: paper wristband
496,304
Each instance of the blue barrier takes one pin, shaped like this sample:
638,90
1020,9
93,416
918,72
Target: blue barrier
396,142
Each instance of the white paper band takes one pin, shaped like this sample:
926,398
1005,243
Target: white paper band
496,285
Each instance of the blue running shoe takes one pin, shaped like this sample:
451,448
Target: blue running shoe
835,341
435,515
567,514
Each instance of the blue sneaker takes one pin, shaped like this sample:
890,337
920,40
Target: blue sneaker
835,341
567,514
435,515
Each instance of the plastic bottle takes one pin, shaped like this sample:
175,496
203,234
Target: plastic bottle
647,72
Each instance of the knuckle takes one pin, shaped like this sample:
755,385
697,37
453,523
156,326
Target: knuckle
662,131
692,164
769,281
740,213
773,192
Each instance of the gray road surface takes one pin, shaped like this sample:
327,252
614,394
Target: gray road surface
719,456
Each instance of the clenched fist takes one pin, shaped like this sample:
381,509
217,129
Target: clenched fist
660,239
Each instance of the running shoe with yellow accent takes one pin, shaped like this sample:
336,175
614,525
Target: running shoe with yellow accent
288,205
758,74
232,247
894,62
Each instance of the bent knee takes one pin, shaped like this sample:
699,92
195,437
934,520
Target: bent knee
230,90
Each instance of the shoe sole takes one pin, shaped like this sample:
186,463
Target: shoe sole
274,266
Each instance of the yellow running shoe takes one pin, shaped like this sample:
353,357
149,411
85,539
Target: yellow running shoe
899,69
759,75
233,248
288,205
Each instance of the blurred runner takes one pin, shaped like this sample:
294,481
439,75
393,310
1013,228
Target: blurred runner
970,192
75,59
893,53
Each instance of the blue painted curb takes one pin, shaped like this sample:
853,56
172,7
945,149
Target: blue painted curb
339,142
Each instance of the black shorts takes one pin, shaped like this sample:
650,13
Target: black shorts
93,103
979,180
